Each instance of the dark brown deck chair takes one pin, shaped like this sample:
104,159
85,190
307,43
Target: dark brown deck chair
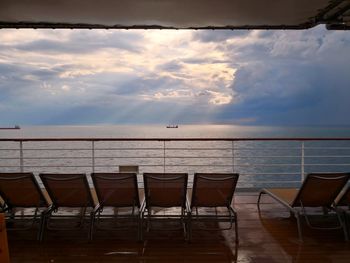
19,192
317,190
68,191
117,190
214,190
162,191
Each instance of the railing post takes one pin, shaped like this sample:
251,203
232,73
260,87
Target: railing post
4,250
233,156
93,155
21,162
302,161
164,156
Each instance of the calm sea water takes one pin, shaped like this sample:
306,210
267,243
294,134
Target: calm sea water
160,131
260,164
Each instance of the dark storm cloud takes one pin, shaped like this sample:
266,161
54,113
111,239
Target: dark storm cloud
170,66
300,81
204,61
218,35
84,42
13,79
286,77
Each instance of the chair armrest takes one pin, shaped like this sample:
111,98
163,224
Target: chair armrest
49,210
233,209
4,208
188,206
96,209
143,205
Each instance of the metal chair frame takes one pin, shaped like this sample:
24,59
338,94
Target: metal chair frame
298,210
232,213
97,215
9,209
50,213
147,208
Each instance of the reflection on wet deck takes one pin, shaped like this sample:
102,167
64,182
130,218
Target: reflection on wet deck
269,237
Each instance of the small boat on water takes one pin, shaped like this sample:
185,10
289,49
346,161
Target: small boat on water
172,126
16,127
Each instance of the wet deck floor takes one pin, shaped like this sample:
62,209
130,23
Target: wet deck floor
268,237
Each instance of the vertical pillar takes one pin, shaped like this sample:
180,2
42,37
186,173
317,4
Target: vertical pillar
302,161
93,155
233,156
21,156
164,156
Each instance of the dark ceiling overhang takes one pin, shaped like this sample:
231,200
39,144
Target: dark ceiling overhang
175,14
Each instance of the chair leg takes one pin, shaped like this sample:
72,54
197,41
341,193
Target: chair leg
141,225
297,215
41,228
189,227
342,220
184,223
259,198
92,223
236,229
139,228
347,224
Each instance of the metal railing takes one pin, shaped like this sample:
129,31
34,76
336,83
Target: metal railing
261,162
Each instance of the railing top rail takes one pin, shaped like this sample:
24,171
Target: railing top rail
181,139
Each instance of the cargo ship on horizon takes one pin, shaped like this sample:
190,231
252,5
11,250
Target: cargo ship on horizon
16,127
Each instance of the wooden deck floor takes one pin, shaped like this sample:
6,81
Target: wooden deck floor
268,237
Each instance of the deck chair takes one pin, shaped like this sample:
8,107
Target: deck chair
119,191
19,192
68,191
317,190
163,191
214,190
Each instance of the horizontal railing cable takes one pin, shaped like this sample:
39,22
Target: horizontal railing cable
257,160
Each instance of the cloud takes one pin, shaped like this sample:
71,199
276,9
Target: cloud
219,36
157,76
289,77
172,66
79,42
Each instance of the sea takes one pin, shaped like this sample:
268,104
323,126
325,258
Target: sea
260,163
184,131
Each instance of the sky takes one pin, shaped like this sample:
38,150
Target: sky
255,77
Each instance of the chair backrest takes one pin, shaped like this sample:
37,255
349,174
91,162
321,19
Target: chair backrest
213,189
344,199
165,189
320,189
116,189
68,190
129,169
21,190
